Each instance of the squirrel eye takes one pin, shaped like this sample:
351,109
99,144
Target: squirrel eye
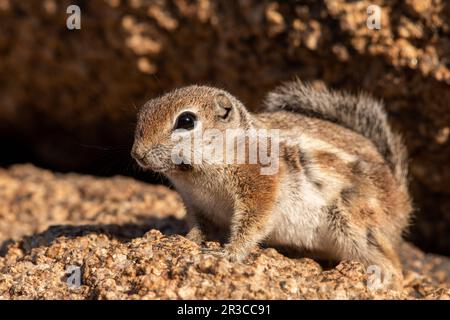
186,121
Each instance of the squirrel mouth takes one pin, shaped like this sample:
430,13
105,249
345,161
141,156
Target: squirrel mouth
159,169
153,167
158,166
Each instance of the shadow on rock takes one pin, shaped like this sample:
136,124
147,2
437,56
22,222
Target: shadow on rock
122,232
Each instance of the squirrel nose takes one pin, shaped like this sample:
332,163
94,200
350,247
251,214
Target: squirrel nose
137,153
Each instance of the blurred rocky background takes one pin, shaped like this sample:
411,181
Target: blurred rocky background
68,97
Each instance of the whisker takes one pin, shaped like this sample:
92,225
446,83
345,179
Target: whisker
105,148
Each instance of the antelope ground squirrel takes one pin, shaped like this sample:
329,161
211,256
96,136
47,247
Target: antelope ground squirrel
339,190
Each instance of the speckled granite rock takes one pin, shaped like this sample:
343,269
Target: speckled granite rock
61,90
106,227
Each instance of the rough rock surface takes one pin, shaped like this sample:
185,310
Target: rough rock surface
107,228
61,90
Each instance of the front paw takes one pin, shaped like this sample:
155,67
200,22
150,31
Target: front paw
195,235
233,254
228,252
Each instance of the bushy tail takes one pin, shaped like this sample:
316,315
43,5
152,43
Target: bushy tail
359,113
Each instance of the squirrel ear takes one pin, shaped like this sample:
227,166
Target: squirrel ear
224,108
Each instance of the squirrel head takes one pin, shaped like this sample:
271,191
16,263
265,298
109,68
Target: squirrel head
183,113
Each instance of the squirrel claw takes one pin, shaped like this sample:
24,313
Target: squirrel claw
233,255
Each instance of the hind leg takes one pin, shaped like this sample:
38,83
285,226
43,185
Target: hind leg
366,244
378,255
381,253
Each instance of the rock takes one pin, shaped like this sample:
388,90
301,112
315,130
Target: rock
106,232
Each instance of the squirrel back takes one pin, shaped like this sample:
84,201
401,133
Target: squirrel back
361,114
